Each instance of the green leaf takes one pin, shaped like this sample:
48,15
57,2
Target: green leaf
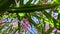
21,2
28,9
21,14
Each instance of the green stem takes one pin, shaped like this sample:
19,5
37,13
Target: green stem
33,8
18,23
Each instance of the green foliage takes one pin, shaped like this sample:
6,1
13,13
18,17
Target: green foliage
26,11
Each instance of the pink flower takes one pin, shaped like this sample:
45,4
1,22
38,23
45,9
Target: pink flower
45,3
25,24
51,33
2,21
54,30
46,27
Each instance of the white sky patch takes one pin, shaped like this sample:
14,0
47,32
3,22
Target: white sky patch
49,0
36,2
25,1
32,2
